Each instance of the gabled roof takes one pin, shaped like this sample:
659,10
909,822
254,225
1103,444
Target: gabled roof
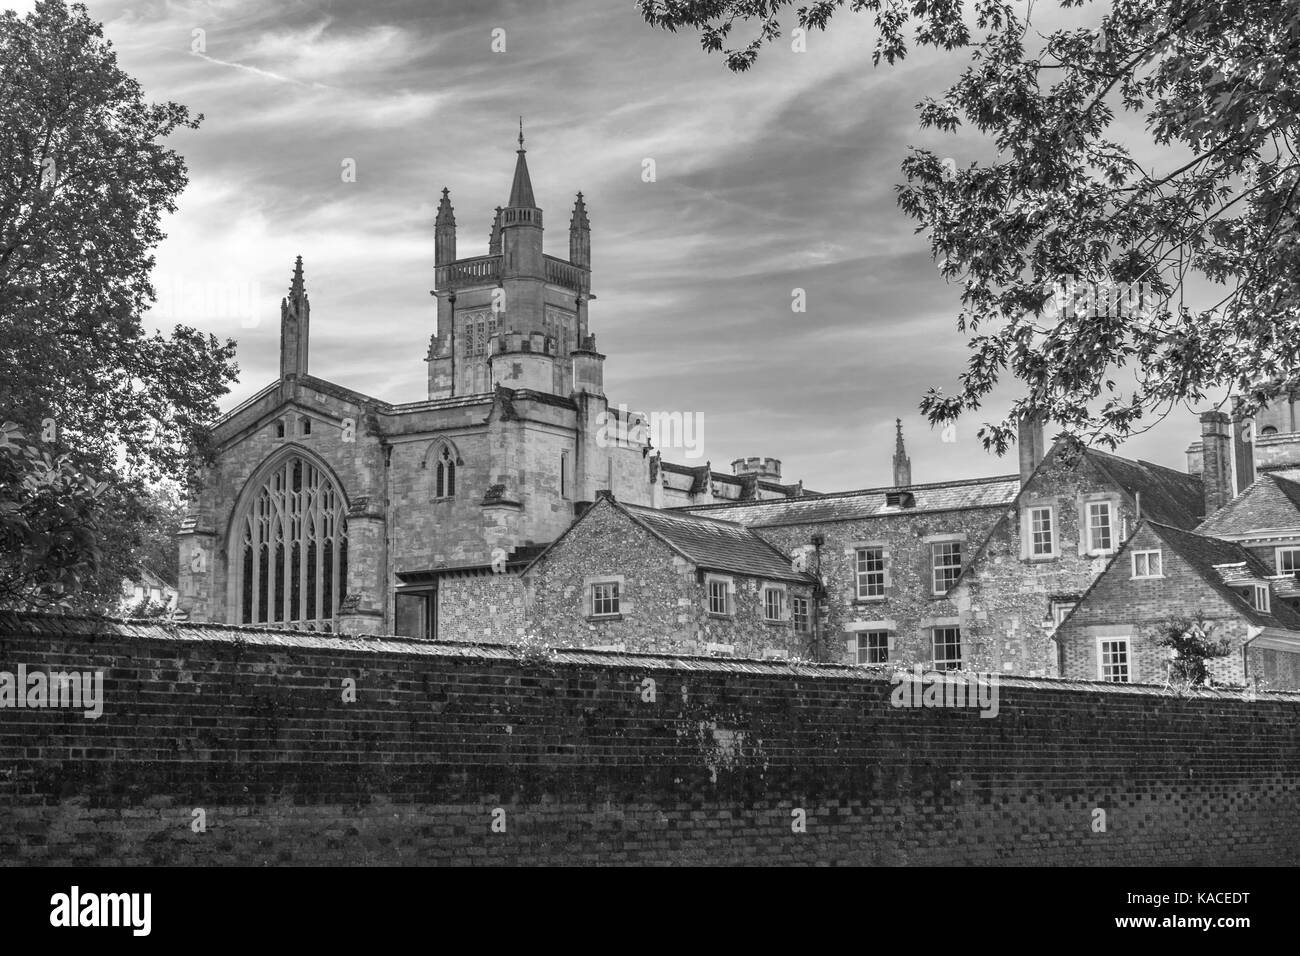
1270,503
707,543
717,545
1169,497
1153,482
869,503
1218,562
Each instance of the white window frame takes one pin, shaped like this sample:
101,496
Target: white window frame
1031,542
728,595
935,590
859,574
862,644
1111,530
1260,598
783,604
1147,574
592,590
947,662
1286,549
1102,665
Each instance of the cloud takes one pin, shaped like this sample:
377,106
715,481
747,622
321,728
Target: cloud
778,179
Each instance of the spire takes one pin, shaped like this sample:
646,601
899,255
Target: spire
297,289
444,231
521,190
494,237
295,317
902,464
580,235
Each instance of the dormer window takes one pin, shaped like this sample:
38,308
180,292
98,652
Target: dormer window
900,499
1288,561
1258,597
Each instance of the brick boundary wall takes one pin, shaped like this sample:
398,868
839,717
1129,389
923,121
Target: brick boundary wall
250,727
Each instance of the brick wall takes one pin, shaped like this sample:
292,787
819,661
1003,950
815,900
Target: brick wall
581,764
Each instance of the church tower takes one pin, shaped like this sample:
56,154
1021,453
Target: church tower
516,317
295,325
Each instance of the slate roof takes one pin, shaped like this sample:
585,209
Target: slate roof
1271,502
717,545
994,492
1205,555
1169,497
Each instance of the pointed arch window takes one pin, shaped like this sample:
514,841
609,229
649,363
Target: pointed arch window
293,549
445,474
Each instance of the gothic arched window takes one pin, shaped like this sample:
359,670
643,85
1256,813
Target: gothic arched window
445,475
292,549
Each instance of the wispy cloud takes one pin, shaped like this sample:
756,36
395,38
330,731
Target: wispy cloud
779,179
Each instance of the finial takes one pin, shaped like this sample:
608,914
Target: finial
521,132
445,192
296,286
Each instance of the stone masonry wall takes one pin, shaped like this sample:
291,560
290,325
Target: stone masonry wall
467,754
664,604
908,608
1007,600
1119,606
481,607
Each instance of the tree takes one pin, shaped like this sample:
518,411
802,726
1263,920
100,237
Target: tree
1077,265
85,177
1190,640
49,513
159,525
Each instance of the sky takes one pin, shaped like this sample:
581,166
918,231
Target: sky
778,179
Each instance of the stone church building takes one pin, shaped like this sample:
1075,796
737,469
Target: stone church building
330,509
517,500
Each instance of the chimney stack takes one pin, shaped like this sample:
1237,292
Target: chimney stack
1216,455
1030,442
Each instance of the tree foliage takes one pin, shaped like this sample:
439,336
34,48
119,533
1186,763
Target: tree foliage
1190,640
49,515
85,178
1082,269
